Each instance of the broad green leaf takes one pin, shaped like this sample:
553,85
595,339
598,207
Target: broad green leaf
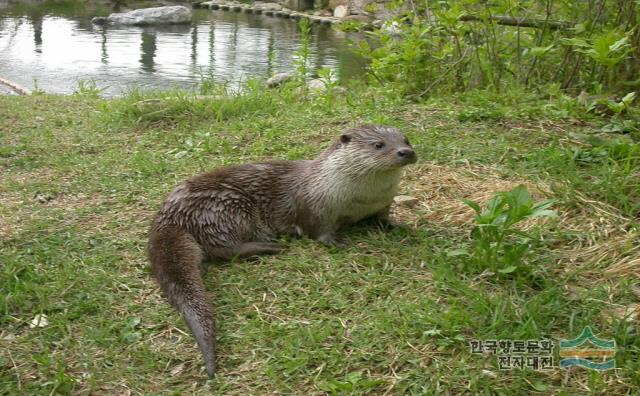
540,51
521,195
519,233
544,213
540,387
473,205
432,332
579,28
576,42
458,252
628,98
354,376
544,204
508,269
620,44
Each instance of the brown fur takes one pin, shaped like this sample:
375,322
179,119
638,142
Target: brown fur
236,211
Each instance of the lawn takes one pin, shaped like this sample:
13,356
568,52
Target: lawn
393,313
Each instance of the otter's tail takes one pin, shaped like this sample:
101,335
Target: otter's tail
175,258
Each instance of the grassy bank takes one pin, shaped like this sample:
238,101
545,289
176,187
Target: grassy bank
391,314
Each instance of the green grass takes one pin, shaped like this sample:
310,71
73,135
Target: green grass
392,313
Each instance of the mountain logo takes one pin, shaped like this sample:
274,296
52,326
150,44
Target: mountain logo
588,351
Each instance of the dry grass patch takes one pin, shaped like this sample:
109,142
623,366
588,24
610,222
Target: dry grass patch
600,235
441,190
603,238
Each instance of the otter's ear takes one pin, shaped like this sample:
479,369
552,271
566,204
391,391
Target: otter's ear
345,138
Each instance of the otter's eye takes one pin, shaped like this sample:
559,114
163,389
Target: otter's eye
379,145
406,141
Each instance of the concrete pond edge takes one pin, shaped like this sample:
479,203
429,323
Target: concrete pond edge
259,8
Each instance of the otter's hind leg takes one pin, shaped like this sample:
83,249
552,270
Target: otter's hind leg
175,259
249,249
244,250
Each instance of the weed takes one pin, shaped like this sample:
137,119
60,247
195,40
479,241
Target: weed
89,89
350,26
302,54
497,244
605,169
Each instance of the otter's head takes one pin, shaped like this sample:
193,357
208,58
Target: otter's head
374,148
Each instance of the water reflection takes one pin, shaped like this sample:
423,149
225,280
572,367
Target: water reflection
36,22
148,51
59,51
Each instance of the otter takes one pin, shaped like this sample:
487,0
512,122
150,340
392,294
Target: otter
237,211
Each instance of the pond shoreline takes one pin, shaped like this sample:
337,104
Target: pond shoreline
17,88
257,9
55,51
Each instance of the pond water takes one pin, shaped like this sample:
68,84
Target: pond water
54,52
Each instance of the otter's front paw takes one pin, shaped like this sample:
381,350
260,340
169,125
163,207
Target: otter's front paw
388,224
330,239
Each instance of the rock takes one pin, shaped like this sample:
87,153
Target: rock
340,11
358,18
380,9
406,200
317,85
298,5
43,198
148,16
360,6
279,79
267,7
323,13
99,20
327,20
210,3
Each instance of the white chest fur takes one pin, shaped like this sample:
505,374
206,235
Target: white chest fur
350,197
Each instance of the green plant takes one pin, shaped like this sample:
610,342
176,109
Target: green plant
36,88
352,382
88,89
497,244
461,45
302,55
350,26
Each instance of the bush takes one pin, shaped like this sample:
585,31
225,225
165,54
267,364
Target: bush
465,44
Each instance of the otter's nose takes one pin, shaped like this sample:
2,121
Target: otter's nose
407,154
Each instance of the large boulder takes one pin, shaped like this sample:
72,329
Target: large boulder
148,16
